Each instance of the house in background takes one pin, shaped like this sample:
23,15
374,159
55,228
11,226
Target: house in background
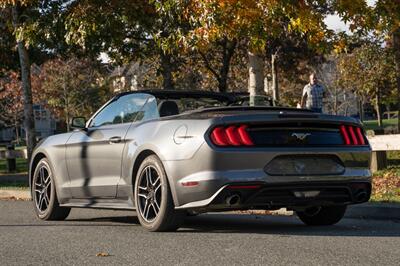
45,125
133,76
7,135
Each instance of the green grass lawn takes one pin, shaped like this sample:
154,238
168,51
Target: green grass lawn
373,124
22,166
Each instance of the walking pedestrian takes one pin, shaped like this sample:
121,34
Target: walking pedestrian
313,94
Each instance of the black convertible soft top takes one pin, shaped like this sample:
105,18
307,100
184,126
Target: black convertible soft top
177,94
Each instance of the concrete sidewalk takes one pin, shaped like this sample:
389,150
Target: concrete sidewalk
379,211
15,194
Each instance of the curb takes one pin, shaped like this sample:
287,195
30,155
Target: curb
377,211
13,178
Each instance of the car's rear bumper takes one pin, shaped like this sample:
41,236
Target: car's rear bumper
211,172
291,195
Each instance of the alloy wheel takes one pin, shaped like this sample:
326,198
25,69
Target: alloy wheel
42,188
149,193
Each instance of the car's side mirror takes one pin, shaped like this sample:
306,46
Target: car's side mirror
78,123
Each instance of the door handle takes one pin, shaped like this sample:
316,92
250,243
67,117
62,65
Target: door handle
114,140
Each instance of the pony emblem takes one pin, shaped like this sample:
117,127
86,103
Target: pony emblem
301,136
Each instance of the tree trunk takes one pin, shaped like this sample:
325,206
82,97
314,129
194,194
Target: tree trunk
221,73
166,71
16,128
361,109
16,132
335,103
29,121
275,85
256,76
67,118
66,107
378,107
228,51
396,48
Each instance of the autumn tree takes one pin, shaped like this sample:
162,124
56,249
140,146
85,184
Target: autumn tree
127,31
217,58
8,53
256,22
71,87
11,105
20,16
370,73
382,20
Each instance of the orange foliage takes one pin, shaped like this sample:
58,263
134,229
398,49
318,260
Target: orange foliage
253,20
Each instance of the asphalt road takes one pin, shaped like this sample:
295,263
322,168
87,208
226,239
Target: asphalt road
210,239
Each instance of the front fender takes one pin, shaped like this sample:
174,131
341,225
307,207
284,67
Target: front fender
53,148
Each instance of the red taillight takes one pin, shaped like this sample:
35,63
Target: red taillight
245,136
231,136
360,136
352,135
343,130
218,136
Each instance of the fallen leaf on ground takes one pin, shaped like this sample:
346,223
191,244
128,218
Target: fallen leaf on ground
102,254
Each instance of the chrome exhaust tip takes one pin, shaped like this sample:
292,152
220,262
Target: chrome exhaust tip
362,196
233,200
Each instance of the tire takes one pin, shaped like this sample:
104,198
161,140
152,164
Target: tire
44,194
155,195
325,215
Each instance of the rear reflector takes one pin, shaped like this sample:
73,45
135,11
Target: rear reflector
352,135
231,136
190,184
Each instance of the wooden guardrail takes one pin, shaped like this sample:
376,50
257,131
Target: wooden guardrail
12,154
380,144
391,114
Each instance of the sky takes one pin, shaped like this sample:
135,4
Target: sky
335,23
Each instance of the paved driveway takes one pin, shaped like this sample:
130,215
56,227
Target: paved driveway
211,239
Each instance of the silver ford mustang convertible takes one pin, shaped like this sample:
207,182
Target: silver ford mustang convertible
167,154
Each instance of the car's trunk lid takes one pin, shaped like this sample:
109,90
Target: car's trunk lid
289,127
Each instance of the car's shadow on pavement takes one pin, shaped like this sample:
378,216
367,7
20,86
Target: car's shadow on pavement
286,226
128,220
224,223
